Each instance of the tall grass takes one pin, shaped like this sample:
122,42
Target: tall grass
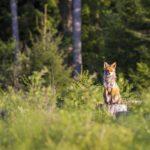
35,119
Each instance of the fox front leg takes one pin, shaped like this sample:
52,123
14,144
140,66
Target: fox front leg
116,99
107,97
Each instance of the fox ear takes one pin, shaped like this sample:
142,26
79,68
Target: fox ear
114,65
106,64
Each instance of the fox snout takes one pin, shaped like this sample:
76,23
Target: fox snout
107,72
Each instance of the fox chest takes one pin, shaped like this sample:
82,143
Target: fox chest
112,91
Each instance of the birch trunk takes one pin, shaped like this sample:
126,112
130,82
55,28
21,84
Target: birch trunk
77,56
15,34
15,31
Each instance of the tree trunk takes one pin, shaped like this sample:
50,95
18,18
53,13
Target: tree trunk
45,25
77,56
65,7
15,33
69,17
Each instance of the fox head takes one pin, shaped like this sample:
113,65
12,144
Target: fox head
109,70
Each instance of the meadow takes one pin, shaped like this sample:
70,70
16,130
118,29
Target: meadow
40,118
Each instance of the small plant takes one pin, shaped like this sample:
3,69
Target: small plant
83,92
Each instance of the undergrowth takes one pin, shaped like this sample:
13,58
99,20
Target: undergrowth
42,118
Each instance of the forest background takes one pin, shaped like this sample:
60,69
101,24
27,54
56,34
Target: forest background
38,77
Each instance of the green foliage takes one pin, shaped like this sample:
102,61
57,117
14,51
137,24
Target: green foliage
83,92
30,18
112,31
32,121
125,88
52,111
6,65
142,77
116,31
37,96
46,52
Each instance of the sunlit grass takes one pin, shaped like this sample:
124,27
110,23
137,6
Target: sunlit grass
32,120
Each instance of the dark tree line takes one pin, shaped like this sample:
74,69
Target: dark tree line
111,30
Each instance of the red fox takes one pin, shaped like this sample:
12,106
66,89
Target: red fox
111,89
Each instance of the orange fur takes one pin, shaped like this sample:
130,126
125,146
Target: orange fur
111,89
115,91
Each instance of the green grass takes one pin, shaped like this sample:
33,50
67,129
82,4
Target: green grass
33,121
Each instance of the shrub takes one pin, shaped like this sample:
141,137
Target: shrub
83,92
34,122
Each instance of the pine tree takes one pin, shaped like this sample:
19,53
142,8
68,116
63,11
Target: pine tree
45,52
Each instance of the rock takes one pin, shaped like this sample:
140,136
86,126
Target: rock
116,109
